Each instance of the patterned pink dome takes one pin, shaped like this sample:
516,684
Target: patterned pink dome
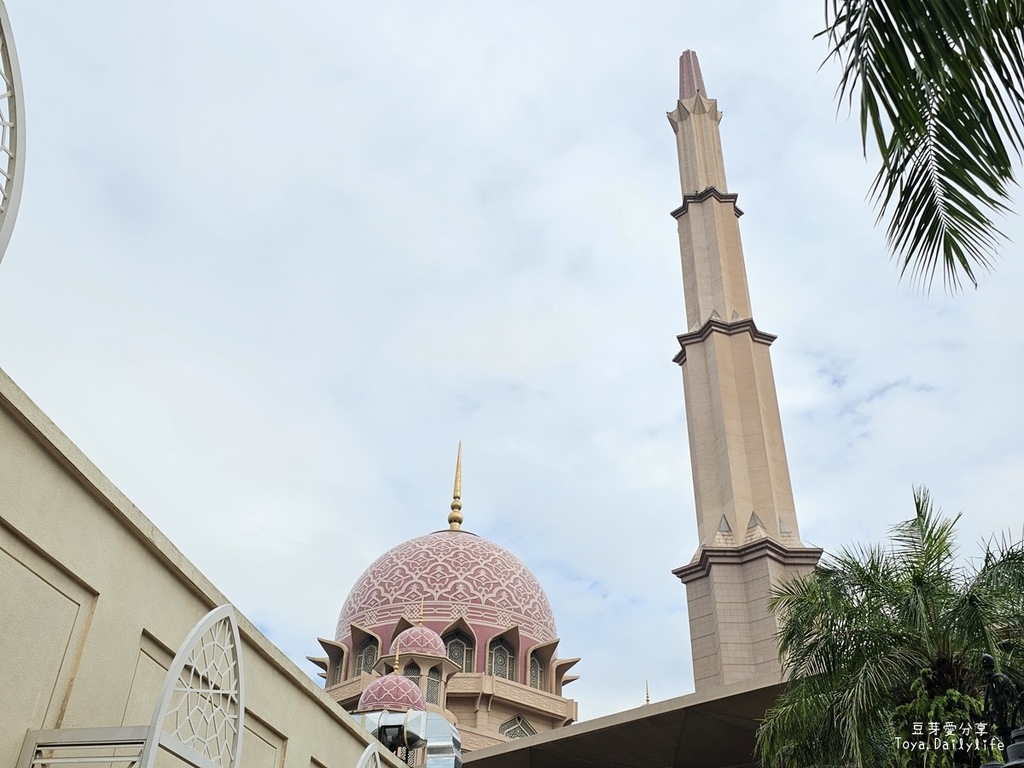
418,640
453,575
394,693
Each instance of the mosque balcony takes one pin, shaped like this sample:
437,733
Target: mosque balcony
349,690
477,684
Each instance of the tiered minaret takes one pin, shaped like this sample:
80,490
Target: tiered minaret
745,514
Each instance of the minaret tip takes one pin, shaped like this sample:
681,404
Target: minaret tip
691,82
455,518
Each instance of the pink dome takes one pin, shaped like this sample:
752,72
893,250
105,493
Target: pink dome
394,693
453,575
418,640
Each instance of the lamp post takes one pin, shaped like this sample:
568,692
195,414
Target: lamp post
1004,711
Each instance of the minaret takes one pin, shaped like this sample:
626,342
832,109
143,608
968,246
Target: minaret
746,519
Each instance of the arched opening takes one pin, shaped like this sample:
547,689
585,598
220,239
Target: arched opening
412,671
516,728
459,647
434,686
366,656
536,672
501,659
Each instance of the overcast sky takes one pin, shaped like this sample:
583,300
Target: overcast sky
274,260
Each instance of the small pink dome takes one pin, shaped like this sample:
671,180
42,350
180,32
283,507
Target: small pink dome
394,693
419,640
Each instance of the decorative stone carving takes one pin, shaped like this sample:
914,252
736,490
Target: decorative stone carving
444,572
529,697
473,741
464,684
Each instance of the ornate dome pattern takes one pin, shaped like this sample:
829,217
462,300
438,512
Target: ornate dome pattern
419,640
394,693
452,574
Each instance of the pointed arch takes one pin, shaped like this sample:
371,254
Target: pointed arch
400,626
536,672
460,644
412,671
503,655
540,660
434,686
366,649
501,659
366,656
517,727
336,662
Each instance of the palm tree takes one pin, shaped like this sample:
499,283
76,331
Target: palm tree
876,639
940,88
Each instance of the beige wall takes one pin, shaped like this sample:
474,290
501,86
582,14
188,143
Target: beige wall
94,601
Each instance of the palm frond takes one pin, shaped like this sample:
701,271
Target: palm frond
940,87
876,634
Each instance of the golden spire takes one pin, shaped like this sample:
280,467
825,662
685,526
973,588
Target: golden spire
455,518
421,611
398,644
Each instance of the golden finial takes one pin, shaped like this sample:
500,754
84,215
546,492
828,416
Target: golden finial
421,611
398,644
647,685
455,518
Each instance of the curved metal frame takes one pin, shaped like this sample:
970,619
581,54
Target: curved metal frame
12,132
370,758
201,709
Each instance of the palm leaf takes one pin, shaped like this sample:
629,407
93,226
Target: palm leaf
940,88
876,634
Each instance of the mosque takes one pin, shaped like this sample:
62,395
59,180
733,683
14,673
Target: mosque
470,628
448,623
464,620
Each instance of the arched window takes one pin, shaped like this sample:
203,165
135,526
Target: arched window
434,686
412,671
516,728
335,674
536,672
460,650
366,657
501,659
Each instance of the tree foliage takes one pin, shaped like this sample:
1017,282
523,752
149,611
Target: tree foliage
877,638
940,88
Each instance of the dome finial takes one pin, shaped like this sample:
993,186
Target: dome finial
455,518
398,645
421,611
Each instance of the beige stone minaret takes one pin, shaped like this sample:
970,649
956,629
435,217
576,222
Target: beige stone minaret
745,514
